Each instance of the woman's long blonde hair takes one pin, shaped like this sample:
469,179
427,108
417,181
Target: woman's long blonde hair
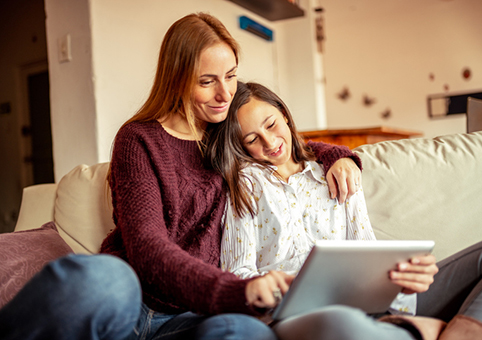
178,68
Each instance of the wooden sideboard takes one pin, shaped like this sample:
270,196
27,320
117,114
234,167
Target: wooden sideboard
356,137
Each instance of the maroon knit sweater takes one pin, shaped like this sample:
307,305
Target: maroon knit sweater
168,210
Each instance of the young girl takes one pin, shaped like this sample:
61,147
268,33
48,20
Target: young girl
288,202
279,206
280,203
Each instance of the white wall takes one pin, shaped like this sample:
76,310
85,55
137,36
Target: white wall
121,60
301,81
383,49
387,49
72,96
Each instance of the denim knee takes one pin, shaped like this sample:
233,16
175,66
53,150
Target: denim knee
94,276
103,292
234,326
76,297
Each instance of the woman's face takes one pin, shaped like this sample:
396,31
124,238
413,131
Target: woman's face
265,133
216,83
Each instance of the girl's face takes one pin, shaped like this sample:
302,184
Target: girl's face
216,83
265,133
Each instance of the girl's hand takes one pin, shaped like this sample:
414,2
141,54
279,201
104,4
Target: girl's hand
344,179
259,292
416,275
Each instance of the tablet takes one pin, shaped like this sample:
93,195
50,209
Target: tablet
352,273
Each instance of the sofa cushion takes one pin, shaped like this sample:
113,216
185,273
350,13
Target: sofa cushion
37,206
83,208
24,253
425,189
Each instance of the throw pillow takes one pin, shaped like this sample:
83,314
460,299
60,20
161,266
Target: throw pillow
24,253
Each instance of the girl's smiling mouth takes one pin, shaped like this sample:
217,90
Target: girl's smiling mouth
277,152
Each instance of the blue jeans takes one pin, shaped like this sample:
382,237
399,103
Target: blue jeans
156,326
75,297
99,297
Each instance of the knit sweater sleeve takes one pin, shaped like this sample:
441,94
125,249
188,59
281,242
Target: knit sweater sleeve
174,280
328,154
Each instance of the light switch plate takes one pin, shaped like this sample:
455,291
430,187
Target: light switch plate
65,53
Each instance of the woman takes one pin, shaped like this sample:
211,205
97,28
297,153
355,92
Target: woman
168,207
257,150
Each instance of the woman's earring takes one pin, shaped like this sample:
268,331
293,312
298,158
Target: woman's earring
286,120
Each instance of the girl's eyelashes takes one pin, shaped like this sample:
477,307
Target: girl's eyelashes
251,141
267,128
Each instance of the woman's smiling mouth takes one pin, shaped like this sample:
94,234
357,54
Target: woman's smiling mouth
220,109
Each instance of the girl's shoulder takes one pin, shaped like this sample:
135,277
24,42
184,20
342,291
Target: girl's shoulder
315,166
257,171
316,170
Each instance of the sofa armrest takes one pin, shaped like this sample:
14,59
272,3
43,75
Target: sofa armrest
37,206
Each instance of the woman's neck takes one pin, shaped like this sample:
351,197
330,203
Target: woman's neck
177,126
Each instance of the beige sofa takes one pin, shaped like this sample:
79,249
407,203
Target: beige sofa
415,189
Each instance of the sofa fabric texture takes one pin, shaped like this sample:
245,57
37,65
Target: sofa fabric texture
24,253
425,188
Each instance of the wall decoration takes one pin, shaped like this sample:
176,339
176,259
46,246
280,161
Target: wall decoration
386,114
345,94
367,101
466,73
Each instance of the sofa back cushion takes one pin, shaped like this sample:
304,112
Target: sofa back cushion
425,189
83,208
37,206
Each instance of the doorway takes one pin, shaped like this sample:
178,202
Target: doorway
36,132
40,130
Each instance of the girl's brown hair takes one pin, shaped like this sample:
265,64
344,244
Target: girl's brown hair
224,148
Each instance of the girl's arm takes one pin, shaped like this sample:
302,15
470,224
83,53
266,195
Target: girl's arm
238,245
238,255
358,226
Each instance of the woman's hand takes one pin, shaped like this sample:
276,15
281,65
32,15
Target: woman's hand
260,291
416,275
344,179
